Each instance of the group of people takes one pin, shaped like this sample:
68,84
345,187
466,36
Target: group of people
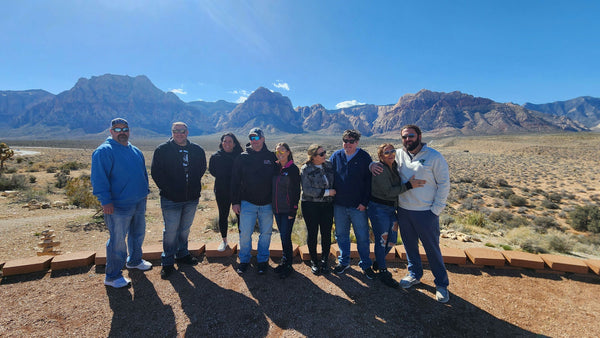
404,191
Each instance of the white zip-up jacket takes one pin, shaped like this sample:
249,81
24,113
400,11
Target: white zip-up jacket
429,165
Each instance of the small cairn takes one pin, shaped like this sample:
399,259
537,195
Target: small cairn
48,244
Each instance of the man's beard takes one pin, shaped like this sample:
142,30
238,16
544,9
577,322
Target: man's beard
122,138
412,146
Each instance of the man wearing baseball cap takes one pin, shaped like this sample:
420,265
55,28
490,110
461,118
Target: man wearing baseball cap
120,182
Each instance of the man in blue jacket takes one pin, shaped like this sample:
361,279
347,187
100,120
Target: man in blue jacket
352,184
177,169
120,182
251,198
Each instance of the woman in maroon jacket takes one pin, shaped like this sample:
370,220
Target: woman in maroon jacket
286,194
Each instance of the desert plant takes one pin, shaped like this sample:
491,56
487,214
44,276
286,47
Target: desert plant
32,179
548,204
545,222
517,201
61,179
585,218
502,182
5,154
79,192
560,242
15,182
73,165
476,219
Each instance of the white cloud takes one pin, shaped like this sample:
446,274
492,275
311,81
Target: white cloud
282,85
179,91
348,104
241,92
241,99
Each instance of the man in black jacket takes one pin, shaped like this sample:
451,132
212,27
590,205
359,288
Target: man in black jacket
177,169
251,198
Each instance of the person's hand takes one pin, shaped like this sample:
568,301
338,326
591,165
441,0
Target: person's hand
236,208
376,168
331,192
416,183
395,227
361,207
108,208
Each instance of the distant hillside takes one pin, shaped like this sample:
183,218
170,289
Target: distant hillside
87,108
585,109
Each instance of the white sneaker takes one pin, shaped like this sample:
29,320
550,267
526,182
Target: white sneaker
222,246
441,294
408,281
118,283
143,266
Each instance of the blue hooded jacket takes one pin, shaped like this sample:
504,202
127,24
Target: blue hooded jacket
119,174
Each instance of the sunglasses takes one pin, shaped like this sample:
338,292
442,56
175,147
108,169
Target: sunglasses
404,137
322,153
121,130
281,152
349,141
391,151
179,131
254,138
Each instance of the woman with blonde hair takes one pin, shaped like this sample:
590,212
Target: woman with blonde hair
317,205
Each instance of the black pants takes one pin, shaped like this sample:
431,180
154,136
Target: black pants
224,204
318,216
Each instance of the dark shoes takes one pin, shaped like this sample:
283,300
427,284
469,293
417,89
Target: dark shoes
286,271
369,273
314,267
324,267
340,269
375,266
242,267
188,260
261,268
386,278
166,271
279,268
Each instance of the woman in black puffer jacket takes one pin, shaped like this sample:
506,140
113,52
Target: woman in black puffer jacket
220,166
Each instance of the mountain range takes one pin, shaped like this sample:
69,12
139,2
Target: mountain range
87,108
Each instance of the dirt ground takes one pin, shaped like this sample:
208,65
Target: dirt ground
211,299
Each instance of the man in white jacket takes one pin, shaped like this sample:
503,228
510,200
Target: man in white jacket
419,209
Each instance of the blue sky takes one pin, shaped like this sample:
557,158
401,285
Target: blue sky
328,52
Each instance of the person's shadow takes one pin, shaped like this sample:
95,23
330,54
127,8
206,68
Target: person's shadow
369,308
214,310
140,315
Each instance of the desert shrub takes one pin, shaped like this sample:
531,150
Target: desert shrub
51,170
484,183
464,179
31,195
488,244
532,246
502,182
73,165
471,204
446,220
585,218
19,160
461,194
560,242
506,193
79,192
548,204
517,201
554,197
32,179
506,247
61,179
14,182
9,170
476,219
545,222
501,216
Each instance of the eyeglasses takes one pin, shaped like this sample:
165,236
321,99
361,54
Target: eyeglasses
391,151
120,130
349,141
254,138
322,153
404,137
179,131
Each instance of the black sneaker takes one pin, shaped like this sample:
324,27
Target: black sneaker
325,267
340,269
286,272
370,273
242,267
261,268
375,266
314,267
386,278
166,271
188,260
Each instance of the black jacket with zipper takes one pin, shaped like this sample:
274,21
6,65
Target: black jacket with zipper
168,172
252,176
286,190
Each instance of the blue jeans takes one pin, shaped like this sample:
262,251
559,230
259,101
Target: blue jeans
248,215
343,217
383,217
285,232
126,221
178,218
423,225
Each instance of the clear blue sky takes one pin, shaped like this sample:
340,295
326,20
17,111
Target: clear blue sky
313,51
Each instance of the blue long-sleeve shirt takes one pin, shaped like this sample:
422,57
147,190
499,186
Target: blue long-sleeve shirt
352,182
119,174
